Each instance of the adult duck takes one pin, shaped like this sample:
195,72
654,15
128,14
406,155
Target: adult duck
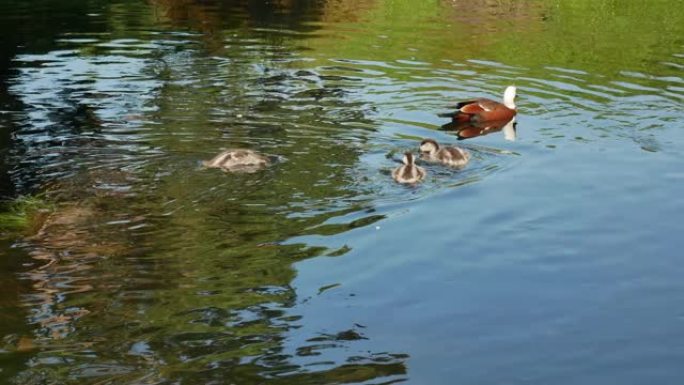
484,110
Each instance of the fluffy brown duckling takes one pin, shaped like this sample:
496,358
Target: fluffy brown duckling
408,173
450,156
238,160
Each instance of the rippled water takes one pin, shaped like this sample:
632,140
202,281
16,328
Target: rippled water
553,257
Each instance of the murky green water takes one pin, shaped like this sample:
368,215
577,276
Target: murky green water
555,258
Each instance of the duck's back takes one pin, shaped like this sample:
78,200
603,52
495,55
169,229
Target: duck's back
236,158
408,174
453,156
482,110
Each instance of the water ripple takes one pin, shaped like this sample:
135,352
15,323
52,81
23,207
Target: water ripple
152,269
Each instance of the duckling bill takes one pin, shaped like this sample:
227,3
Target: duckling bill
408,173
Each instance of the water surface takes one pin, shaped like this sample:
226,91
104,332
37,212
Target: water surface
551,258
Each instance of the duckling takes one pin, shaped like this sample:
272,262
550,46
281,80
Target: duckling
238,160
409,173
450,156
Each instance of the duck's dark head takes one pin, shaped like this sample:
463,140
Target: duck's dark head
408,159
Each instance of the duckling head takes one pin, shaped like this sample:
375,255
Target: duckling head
408,159
509,97
429,146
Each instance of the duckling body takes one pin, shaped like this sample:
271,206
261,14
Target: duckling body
236,160
450,156
408,173
486,110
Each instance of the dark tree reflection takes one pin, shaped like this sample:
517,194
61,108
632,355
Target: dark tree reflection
150,269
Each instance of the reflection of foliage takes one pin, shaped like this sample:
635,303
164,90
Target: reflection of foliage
172,273
213,293
347,11
23,213
601,37
205,293
213,18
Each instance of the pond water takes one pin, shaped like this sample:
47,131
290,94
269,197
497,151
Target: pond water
554,257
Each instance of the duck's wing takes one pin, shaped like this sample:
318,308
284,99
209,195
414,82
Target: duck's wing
460,105
475,105
421,173
466,110
479,106
459,108
396,172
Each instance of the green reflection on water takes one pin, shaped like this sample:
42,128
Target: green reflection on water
597,37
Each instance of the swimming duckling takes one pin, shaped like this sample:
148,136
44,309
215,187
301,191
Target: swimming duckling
450,156
408,173
238,160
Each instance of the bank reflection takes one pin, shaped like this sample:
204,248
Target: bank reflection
151,269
